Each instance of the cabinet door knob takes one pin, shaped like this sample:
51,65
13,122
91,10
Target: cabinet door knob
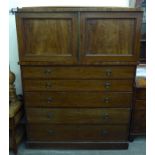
48,85
50,132
49,100
105,116
107,85
108,72
47,71
49,115
106,100
104,132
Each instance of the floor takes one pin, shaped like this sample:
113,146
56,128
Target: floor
137,147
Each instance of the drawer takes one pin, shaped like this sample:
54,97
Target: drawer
140,104
78,85
141,93
76,72
46,132
139,121
78,116
72,99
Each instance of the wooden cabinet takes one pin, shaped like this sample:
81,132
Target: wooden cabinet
78,68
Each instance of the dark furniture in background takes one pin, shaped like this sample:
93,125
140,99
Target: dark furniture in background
138,123
16,114
142,4
78,70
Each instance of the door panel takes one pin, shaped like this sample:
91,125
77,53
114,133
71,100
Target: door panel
48,37
109,37
103,36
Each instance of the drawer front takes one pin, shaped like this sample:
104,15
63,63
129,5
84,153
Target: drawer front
140,104
139,122
44,132
78,85
78,72
78,116
141,93
72,99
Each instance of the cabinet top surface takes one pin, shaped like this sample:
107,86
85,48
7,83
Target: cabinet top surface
50,9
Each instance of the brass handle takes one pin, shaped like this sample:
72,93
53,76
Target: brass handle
47,71
50,132
48,85
49,100
107,85
104,132
106,100
105,116
49,115
108,72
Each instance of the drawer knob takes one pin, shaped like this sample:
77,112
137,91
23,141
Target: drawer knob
49,100
106,100
47,71
105,116
107,85
50,132
49,115
104,132
108,72
48,85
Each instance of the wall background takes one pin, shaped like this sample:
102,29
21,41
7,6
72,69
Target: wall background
13,46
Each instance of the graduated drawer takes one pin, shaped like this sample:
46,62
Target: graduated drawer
78,99
78,116
78,85
78,72
46,132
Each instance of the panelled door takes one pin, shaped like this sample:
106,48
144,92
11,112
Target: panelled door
109,36
48,37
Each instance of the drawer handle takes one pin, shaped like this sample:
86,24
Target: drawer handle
108,72
49,115
106,100
47,71
50,132
48,85
105,116
49,100
107,85
104,132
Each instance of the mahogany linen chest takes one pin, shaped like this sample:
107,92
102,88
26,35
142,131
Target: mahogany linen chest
78,68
